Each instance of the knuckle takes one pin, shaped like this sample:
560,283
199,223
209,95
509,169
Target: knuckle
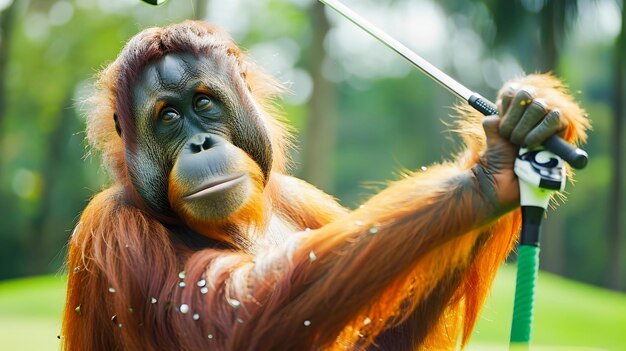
527,92
523,97
540,106
553,119
508,90
490,122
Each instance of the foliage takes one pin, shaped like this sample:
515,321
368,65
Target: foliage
44,175
389,115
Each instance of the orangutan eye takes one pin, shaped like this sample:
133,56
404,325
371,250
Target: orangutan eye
202,103
169,115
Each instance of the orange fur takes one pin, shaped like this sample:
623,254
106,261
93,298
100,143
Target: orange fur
408,270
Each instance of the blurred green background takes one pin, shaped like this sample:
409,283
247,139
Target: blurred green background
362,114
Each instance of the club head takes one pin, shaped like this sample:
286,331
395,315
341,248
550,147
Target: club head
155,2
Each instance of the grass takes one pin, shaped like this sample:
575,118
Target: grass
30,313
568,315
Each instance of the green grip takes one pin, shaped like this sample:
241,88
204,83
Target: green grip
527,268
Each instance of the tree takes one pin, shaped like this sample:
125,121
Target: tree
199,9
320,138
7,17
616,202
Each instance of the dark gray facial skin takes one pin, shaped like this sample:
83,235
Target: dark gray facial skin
200,137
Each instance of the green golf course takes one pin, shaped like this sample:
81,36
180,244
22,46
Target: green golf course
568,315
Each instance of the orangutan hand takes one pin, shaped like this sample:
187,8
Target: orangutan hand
525,120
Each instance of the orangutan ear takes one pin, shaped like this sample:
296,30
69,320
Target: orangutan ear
117,124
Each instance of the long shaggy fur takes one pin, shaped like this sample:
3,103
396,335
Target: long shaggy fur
408,270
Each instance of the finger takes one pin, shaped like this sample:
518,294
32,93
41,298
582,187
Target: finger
532,116
552,124
504,102
520,101
490,125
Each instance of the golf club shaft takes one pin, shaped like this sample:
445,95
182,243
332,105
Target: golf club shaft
446,81
576,157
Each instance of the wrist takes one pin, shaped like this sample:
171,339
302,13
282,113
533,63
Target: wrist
499,199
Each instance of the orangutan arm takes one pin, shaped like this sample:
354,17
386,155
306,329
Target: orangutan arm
306,292
422,245
461,295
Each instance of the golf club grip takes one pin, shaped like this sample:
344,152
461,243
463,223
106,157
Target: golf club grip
576,157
